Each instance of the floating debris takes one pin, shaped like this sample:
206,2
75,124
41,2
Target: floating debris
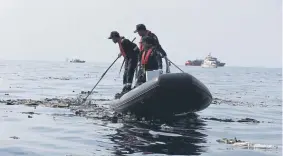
8,102
57,105
245,120
89,109
88,92
54,102
14,137
30,113
58,78
86,76
218,101
245,144
249,120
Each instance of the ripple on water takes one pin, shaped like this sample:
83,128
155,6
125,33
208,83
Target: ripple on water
44,134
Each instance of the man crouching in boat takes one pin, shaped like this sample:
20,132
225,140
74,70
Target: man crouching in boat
142,31
150,59
130,52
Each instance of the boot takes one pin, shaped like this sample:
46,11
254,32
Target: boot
126,88
117,96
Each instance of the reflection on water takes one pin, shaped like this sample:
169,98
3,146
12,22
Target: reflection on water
178,136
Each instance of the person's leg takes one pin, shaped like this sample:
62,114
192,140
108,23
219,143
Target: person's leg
126,67
131,71
128,76
140,78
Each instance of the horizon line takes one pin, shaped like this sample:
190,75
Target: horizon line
1,59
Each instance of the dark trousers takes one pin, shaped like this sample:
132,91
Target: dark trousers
141,78
141,75
130,67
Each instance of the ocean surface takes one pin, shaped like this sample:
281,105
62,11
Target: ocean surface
247,106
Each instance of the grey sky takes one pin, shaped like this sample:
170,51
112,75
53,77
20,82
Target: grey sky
238,32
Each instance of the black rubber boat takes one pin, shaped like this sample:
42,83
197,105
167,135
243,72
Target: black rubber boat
169,94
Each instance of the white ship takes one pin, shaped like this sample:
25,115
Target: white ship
209,62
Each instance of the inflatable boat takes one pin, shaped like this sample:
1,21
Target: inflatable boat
164,95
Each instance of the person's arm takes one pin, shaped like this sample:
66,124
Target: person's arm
158,59
167,65
139,57
162,51
137,51
125,44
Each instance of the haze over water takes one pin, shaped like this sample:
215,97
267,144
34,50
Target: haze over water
238,32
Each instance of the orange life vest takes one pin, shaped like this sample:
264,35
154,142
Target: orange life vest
141,47
145,56
121,48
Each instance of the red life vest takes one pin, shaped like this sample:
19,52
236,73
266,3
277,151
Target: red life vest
145,57
141,47
121,48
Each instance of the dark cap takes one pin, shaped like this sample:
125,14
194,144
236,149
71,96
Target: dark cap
140,27
114,34
148,40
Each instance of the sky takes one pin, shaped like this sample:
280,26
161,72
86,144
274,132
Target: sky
237,32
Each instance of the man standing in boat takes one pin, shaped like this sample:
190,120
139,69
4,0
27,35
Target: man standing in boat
130,52
142,31
150,59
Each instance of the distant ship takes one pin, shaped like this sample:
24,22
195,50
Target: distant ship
198,62
209,62
77,61
220,64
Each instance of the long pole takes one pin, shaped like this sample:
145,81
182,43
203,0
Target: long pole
103,76
100,79
175,65
121,67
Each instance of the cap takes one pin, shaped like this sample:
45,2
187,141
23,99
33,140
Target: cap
140,27
114,34
148,40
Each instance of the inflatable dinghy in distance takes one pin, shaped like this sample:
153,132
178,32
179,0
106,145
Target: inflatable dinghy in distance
165,95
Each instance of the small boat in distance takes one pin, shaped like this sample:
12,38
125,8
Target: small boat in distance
77,61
